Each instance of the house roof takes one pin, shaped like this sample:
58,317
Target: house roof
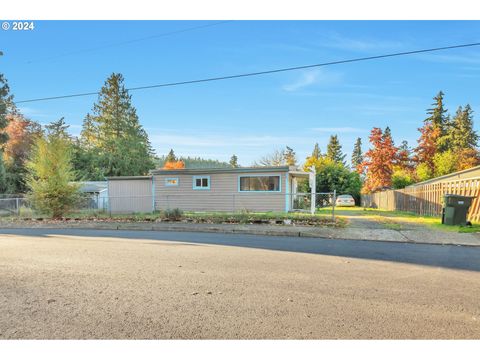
113,178
259,169
92,186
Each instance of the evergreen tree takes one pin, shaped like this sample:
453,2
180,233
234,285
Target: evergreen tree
462,135
404,159
234,161
171,156
316,153
50,177
440,121
58,128
119,143
357,155
290,156
388,133
334,150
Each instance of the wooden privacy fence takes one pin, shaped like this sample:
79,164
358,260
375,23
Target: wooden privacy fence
426,199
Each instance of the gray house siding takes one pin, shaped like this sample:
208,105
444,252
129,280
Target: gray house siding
223,193
130,195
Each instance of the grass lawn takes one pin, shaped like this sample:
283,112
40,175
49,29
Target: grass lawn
395,219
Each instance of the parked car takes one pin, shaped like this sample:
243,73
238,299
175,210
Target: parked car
345,200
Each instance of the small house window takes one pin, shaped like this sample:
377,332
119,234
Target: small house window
201,182
171,182
259,183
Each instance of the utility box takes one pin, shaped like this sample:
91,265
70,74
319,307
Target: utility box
455,209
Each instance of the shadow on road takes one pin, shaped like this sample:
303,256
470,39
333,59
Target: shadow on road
447,256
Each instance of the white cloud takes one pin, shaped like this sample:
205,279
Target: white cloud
311,77
32,112
337,41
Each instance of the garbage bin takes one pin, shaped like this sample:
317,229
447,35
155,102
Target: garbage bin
455,209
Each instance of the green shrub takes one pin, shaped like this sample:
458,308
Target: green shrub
173,214
50,176
25,212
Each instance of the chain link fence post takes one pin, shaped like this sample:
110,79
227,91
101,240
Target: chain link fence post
334,202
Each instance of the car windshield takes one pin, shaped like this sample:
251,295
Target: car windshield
345,197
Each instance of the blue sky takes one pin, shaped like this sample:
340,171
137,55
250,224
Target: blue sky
253,116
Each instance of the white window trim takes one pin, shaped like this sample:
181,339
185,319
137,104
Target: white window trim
194,185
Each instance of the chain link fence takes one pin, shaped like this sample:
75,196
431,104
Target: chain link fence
23,207
90,204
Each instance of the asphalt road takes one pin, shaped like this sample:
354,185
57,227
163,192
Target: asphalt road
91,284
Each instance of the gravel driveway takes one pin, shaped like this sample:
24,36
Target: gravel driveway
99,285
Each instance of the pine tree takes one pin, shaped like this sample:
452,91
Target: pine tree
171,156
462,134
404,157
316,153
234,161
440,121
334,150
172,162
58,128
357,155
290,156
388,133
117,139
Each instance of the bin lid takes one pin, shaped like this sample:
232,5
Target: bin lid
458,196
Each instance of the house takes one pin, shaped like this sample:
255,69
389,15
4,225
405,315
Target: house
96,194
231,189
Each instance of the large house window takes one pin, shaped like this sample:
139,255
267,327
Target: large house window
201,182
259,183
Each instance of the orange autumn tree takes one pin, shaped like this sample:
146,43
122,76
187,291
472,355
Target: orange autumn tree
21,133
21,136
426,150
172,163
379,161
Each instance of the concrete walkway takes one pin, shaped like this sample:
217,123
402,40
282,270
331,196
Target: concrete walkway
357,231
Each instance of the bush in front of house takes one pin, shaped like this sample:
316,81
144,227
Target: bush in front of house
173,214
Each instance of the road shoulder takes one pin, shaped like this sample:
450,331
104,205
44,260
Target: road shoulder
416,235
